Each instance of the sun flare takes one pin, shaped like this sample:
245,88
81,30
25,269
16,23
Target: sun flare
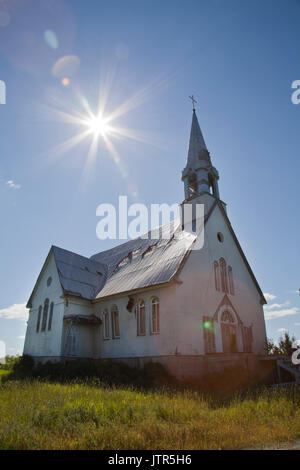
98,126
101,127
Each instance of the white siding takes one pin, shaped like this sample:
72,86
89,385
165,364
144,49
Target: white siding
46,343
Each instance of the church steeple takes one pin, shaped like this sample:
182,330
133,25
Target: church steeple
199,176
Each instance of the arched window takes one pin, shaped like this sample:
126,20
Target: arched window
105,317
45,314
229,332
154,315
230,279
217,275
39,319
141,318
227,317
50,316
115,322
224,283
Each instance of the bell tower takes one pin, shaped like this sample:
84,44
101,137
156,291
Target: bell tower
199,176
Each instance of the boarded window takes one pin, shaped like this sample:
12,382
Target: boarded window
247,338
50,316
141,318
230,279
155,320
115,322
209,335
39,319
105,324
45,314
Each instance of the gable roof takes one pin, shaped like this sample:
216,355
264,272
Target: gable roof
79,276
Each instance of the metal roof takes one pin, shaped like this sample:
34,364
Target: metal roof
145,261
79,276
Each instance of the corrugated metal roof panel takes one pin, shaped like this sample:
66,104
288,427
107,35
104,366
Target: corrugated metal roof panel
127,272
79,275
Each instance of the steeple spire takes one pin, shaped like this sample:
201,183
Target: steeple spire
197,146
199,176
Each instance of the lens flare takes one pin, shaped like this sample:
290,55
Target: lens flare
65,81
98,126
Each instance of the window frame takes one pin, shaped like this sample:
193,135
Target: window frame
50,316
141,309
223,272
45,315
217,276
105,319
155,309
230,280
115,314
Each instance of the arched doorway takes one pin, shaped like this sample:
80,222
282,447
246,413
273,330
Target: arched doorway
229,332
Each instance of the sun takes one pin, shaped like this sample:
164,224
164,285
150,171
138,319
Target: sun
98,126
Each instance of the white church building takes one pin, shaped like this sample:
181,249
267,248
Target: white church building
155,299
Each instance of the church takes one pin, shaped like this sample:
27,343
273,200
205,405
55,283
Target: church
156,299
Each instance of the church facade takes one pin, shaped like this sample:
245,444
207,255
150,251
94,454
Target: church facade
155,299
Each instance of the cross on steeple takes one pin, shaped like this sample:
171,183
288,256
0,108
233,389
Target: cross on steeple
193,101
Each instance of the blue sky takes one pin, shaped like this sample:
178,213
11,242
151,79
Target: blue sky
238,58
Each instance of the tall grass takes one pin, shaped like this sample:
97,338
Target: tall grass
43,415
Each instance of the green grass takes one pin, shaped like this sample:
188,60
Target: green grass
41,415
4,372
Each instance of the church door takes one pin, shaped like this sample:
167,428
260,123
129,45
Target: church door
229,333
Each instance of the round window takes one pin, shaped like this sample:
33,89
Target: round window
49,280
220,237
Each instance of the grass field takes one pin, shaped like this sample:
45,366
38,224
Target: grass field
41,415
3,373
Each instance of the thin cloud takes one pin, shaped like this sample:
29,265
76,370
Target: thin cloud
268,296
276,306
15,312
273,314
11,184
282,330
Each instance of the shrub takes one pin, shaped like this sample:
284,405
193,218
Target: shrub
110,372
24,366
